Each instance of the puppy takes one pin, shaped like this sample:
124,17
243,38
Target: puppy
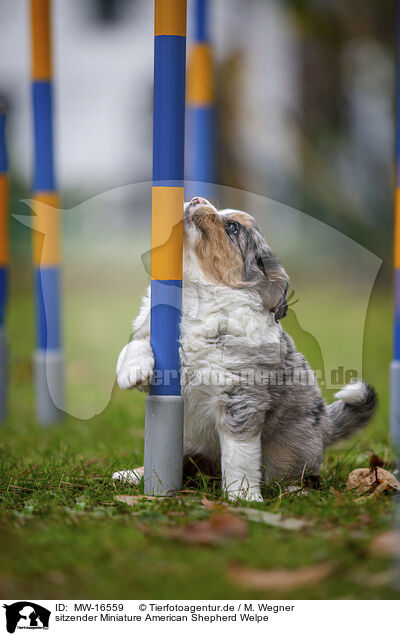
253,408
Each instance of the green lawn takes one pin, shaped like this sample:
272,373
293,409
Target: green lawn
64,535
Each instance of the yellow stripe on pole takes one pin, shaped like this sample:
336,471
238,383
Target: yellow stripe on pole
41,40
200,89
397,230
46,226
167,233
170,17
4,248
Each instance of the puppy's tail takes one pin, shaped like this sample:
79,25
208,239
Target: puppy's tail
355,405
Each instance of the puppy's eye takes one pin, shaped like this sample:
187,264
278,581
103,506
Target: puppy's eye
232,227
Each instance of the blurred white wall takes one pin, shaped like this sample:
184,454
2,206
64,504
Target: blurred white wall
103,93
103,88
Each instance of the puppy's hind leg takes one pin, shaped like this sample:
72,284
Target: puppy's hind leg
292,468
241,466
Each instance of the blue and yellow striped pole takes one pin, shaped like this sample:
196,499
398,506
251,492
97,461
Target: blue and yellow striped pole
46,224
4,259
395,366
164,405
200,117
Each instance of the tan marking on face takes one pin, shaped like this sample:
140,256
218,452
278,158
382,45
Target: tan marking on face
220,261
242,218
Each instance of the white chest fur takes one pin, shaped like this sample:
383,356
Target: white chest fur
210,313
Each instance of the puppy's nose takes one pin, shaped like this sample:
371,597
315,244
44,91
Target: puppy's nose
199,201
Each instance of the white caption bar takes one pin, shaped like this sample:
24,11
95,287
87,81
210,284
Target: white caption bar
175,617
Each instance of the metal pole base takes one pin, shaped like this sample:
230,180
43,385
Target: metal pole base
163,445
49,386
395,402
3,374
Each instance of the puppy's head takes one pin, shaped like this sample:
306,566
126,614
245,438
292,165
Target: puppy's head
227,248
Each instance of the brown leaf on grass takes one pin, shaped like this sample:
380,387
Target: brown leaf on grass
254,514
374,481
217,529
213,506
132,500
272,518
386,544
278,579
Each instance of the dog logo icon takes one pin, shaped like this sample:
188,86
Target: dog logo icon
26,615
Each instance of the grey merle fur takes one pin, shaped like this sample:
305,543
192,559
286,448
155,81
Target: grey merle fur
295,423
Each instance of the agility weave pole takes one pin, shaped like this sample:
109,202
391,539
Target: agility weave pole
200,116
164,406
395,365
4,260
48,357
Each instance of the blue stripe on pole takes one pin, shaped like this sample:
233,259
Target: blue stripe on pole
3,146
44,179
3,293
201,148
201,10
47,281
169,108
166,304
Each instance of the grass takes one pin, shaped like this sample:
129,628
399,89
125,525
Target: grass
64,535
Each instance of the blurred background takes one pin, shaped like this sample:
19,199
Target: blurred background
304,134
304,94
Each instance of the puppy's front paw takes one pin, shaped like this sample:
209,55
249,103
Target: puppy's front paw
135,365
253,494
131,377
245,494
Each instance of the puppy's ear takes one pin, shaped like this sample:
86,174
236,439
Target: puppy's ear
264,272
282,307
274,284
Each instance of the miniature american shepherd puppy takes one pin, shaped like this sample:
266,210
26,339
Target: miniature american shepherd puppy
253,408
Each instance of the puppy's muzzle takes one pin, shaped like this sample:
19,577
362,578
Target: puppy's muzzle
197,206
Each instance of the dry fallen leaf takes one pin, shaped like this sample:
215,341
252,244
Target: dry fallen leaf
213,506
375,481
272,519
132,500
386,544
218,528
278,579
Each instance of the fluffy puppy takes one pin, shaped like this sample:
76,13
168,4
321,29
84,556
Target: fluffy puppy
252,405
